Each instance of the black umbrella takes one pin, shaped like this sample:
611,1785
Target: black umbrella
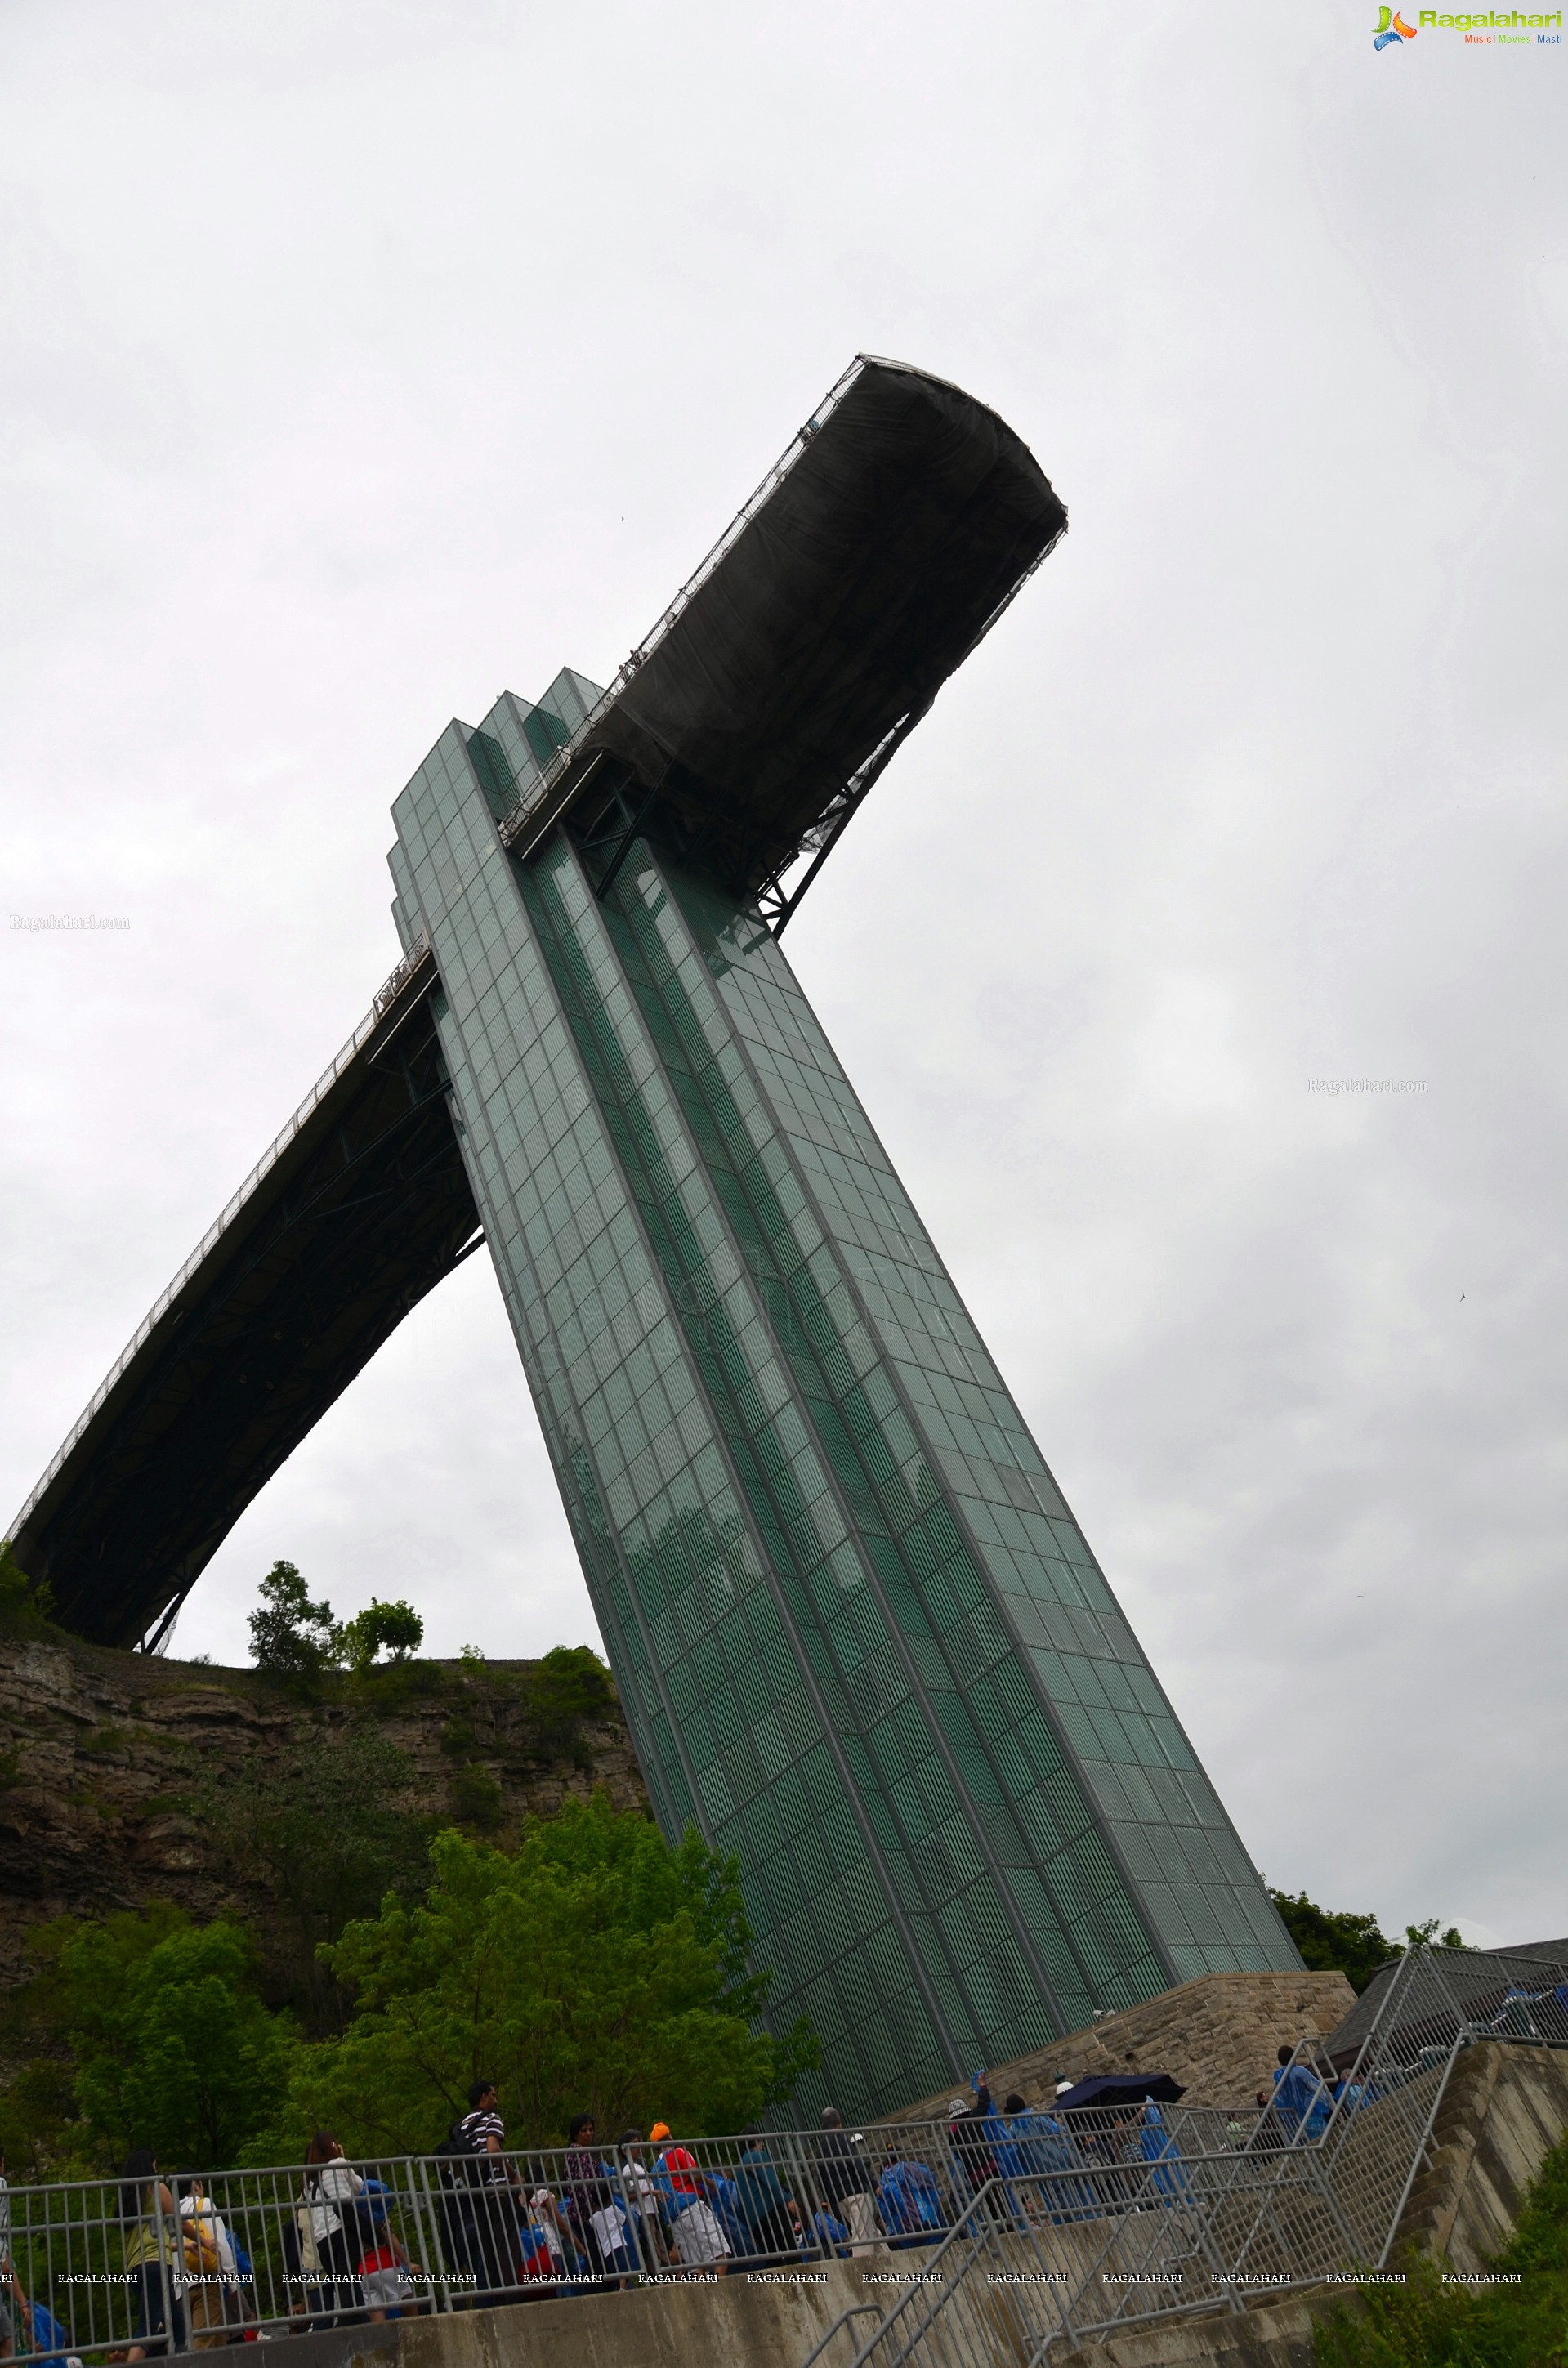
1120,2089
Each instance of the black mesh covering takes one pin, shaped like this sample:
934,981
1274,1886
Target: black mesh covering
859,585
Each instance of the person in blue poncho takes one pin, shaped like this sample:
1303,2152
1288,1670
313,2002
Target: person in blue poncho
1300,2100
1016,2135
1030,2146
1157,2144
30,2327
1053,2150
910,2201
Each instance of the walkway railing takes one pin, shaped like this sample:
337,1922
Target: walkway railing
1309,2193
990,2243
289,2246
385,997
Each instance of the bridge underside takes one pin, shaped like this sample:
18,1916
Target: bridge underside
363,1209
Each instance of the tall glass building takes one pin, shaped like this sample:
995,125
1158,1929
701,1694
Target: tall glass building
860,1640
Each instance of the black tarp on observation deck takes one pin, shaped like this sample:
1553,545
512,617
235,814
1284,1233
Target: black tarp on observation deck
863,578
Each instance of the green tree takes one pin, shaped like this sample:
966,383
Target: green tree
396,1625
477,1798
569,1685
25,1603
1339,1941
1334,1941
327,1833
1427,1936
291,1636
594,1969
174,2048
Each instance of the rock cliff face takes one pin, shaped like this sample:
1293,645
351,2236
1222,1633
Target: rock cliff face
103,1756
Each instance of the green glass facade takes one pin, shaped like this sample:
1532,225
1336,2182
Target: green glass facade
860,1641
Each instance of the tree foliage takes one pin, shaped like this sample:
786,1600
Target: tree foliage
594,1969
1426,2324
395,1625
25,1603
291,1636
569,1685
1343,1942
1419,1936
328,1833
174,2048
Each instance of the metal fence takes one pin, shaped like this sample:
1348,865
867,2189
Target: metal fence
988,2241
1312,2189
179,2260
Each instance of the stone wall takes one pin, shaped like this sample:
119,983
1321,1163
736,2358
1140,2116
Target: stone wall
1219,2036
1504,2110
738,2321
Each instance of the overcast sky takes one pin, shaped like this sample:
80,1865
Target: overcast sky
362,357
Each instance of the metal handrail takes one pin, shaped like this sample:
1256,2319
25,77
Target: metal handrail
1305,2196
845,2318
514,826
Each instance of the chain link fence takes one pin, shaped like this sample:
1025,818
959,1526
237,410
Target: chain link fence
96,2267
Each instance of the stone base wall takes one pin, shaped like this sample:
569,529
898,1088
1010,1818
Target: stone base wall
1505,2109
1219,2036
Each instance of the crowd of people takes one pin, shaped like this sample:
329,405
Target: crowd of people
642,2208
501,2224
1305,2100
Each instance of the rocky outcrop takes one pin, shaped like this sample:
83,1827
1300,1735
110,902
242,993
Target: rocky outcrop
104,1756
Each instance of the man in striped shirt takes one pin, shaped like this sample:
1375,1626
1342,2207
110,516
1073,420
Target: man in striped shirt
483,2133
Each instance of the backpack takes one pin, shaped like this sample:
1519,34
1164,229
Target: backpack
200,2245
49,2338
460,2161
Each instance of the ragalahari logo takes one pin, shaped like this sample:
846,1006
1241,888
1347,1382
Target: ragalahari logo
1392,27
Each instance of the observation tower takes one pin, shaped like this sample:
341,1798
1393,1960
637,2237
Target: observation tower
860,1640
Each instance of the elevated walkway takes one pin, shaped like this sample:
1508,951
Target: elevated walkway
358,1208
1456,2093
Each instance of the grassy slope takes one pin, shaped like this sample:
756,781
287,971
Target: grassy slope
1430,2325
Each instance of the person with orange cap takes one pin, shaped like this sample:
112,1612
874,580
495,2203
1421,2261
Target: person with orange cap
697,2235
